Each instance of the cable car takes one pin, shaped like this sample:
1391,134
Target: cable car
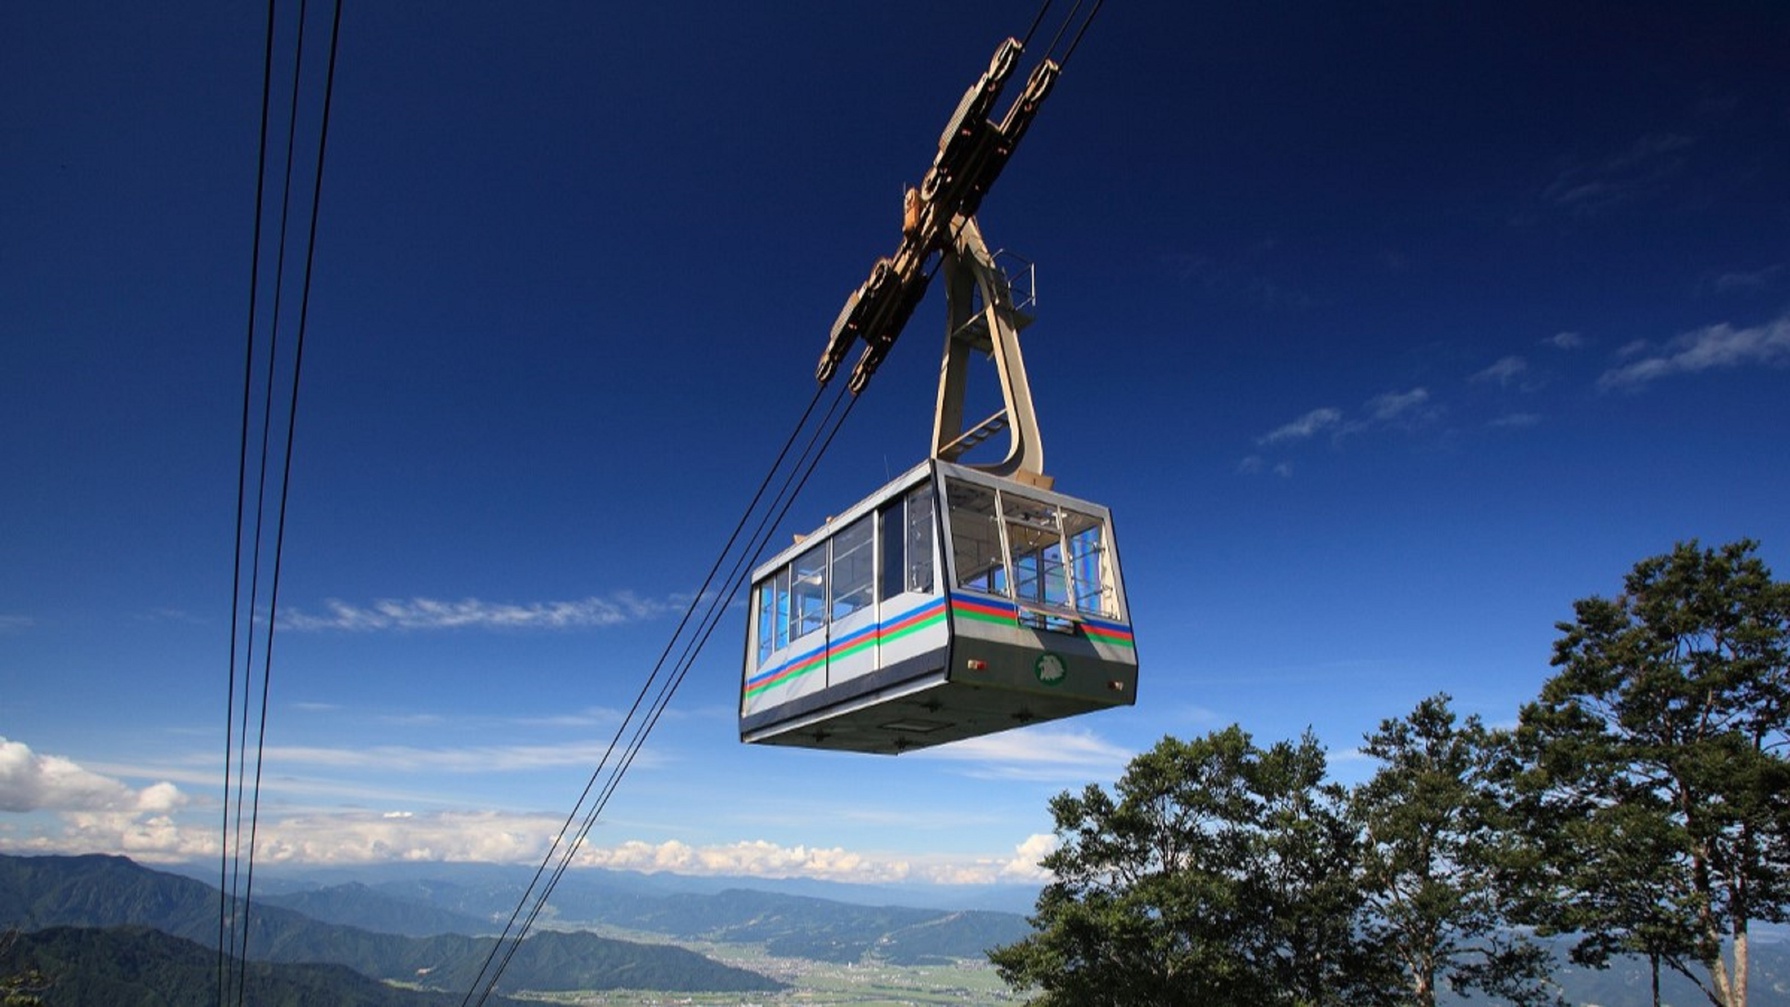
948,604
962,598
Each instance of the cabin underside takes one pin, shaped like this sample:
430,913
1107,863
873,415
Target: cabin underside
983,688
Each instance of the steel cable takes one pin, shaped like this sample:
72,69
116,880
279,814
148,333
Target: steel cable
236,897
492,969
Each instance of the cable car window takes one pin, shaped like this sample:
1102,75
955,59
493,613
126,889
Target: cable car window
808,592
1035,544
1088,564
891,523
919,539
764,604
976,537
773,614
853,568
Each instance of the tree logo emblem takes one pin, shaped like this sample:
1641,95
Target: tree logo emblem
1050,668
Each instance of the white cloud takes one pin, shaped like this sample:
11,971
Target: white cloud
33,782
161,615
374,837
1020,868
1710,348
1305,426
1565,341
1256,465
1026,855
473,759
472,613
1639,172
1515,421
147,827
1758,279
1504,371
15,623
96,812
1042,754
1395,405
749,858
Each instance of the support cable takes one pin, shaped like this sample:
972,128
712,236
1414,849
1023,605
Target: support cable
1058,37
234,840
504,949
239,876
242,467
241,797
298,356
513,931
1083,30
1036,20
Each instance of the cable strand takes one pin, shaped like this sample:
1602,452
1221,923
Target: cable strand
242,467
621,729
782,501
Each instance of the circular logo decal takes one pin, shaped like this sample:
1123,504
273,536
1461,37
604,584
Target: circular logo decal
1050,668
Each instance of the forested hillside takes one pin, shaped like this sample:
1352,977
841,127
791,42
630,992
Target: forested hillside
98,891
107,967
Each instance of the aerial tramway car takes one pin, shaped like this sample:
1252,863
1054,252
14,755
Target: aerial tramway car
949,604
960,599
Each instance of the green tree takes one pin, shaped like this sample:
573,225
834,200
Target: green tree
1432,837
1215,873
1653,767
20,989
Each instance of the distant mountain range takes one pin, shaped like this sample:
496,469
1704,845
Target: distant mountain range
118,966
355,904
479,898
104,892
511,879
434,929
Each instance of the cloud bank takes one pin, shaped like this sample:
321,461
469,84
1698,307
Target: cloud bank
89,812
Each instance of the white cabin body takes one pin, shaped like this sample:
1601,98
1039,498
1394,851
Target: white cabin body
950,604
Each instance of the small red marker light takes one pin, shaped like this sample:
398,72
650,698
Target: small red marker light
977,664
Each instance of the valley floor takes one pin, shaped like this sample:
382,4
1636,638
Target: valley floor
820,984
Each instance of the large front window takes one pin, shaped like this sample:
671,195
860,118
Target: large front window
1009,543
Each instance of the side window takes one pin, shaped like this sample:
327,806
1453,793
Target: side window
764,605
808,592
919,539
1035,540
1086,536
976,538
773,613
891,527
853,568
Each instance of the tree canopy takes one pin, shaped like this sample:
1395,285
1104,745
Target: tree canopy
1654,777
1432,843
1641,807
1216,872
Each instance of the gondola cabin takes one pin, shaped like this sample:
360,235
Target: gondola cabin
960,599
950,604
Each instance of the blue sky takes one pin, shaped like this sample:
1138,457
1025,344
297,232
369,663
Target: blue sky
1386,333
